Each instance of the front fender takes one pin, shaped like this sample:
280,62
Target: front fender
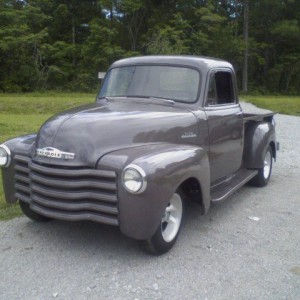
166,167
21,145
258,136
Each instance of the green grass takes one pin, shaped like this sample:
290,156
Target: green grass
21,114
38,103
281,104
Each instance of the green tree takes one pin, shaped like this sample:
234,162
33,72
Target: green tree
62,44
22,35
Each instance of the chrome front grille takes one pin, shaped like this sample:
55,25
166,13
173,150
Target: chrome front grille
67,193
22,180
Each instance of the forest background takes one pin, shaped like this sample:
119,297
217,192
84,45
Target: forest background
63,44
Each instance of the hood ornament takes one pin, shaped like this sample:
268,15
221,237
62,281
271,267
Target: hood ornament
54,153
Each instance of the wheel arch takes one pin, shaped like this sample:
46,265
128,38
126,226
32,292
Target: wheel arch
192,190
273,147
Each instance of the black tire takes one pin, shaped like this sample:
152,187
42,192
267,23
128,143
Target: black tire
264,174
31,214
168,230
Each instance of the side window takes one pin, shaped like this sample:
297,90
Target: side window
220,89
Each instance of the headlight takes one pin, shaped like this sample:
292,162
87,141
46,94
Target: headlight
134,179
5,156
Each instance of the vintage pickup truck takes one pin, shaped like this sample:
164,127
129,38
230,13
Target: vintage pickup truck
164,130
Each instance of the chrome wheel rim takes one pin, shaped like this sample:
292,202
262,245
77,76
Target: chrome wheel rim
171,220
267,164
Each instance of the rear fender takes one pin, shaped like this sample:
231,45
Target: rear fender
166,167
258,136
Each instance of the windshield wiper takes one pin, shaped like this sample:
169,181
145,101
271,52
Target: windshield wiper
151,97
164,99
137,96
168,100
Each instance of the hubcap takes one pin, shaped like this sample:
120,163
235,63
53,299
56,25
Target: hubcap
267,164
171,219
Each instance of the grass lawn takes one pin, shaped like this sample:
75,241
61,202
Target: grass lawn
24,113
281,104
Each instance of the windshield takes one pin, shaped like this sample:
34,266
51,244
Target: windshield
175,83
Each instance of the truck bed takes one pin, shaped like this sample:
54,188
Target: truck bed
255,114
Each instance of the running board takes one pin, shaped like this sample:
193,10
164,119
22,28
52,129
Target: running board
227,188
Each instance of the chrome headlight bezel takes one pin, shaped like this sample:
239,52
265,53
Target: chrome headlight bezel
8,156
140,178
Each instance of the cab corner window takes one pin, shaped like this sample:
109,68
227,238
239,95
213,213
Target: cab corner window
220,89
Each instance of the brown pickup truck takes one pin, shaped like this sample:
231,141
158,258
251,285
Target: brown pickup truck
164,130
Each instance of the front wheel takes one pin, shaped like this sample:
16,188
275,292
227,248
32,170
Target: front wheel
28,212
264,174
167,232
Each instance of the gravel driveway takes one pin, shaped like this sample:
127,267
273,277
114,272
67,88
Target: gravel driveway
245,248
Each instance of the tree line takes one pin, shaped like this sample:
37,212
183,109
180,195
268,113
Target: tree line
62,44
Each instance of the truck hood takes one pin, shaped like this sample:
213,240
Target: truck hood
91,131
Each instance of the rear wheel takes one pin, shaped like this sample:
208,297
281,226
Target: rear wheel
28,212
167,232
264,174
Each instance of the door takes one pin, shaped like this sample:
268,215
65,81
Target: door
225,125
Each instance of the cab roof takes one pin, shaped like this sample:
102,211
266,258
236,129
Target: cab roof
200,62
